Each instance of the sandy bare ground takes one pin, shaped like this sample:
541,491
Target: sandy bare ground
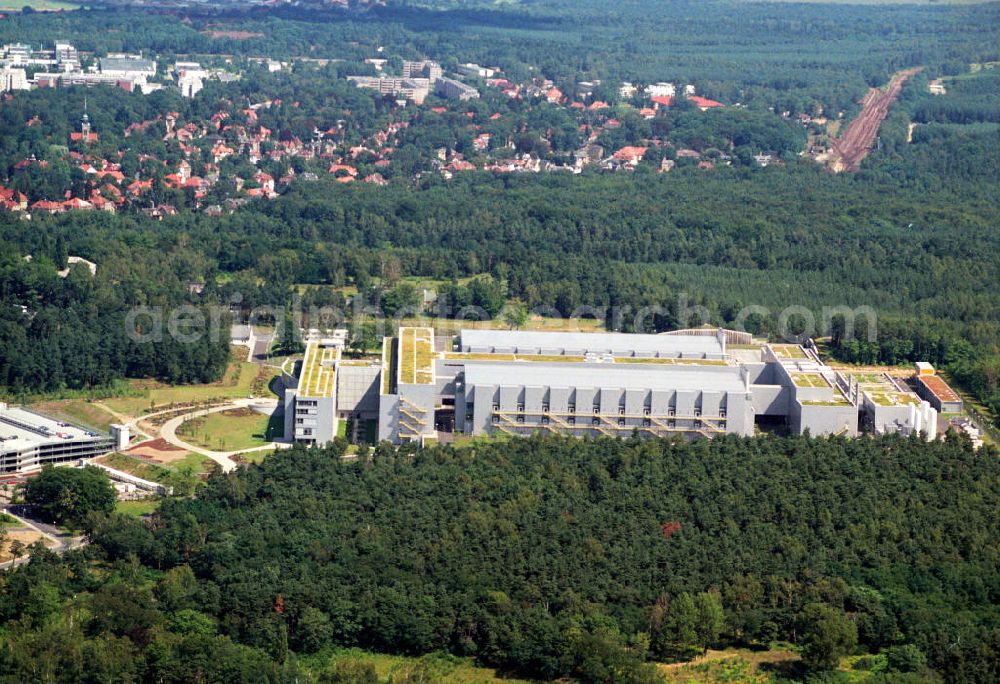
27,537
159,450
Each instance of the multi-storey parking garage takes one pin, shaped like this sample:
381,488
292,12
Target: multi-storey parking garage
29,440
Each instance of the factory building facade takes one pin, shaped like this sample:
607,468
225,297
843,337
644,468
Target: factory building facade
483,382
589,384
604,399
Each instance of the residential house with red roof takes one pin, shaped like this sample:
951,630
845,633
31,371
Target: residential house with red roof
79,136
49,206
221,151
75,203
13,200
265,180
630,155
703,103
137,187
342,170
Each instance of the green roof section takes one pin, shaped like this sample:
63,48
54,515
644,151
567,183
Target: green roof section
838,399
881,390
809,380
319,368
389,354
788,351
416,356
893,398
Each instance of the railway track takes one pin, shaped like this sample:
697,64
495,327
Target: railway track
852,145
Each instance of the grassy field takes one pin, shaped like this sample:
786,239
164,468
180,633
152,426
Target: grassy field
239,382
730,666
416,356
139,508
37,5
156,472
253,456
231,430
436,667
444,326
733,665
85,413
134,466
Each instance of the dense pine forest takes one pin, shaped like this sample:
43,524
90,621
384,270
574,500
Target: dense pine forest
547,557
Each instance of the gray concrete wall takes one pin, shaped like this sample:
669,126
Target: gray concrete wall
826,420
445,373
388,418
771,400
290,414
740,414
943,406
358,388
416,411
903,419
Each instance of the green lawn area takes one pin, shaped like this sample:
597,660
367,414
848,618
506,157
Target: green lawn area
199,463
139,508
85,413
435,667
7,520
253,456
732,665
238,382
232,430
763,666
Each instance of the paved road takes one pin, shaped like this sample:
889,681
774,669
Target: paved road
133,422
224,458
63,541
261,343
130,421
